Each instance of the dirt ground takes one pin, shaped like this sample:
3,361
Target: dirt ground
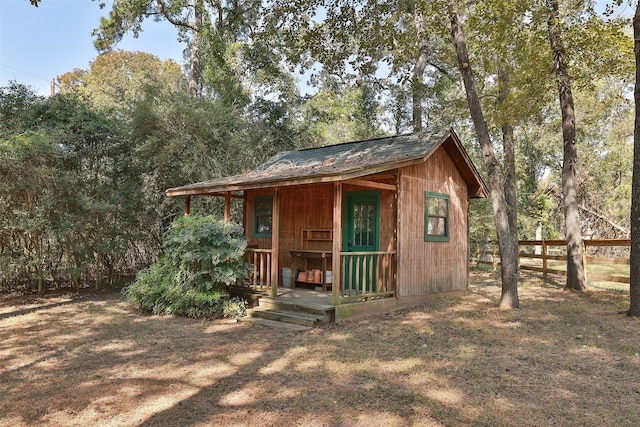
563,359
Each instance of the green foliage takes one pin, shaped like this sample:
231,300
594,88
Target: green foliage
201,256
104,150
118,80
63,180
205,253
154,291
19,107
28,163
179,140
339,114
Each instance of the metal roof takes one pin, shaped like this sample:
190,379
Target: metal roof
340,162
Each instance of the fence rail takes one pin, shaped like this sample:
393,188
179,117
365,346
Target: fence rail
555,250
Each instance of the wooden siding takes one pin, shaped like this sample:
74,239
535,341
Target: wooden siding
301,207
311,207
431,267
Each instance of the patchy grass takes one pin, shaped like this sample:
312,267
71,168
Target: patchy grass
563,359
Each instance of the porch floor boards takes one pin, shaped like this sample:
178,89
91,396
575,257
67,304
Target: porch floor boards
305,297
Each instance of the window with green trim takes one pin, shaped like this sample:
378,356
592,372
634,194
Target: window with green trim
262,216
436,217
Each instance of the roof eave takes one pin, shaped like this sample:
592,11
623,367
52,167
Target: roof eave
477,187
196,190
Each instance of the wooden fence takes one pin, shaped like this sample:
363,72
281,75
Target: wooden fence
555,250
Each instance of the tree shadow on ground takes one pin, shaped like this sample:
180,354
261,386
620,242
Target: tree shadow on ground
559,360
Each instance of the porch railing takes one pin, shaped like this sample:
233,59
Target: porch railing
364,275
260,278
368,275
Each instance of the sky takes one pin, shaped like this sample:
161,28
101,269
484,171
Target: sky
38,44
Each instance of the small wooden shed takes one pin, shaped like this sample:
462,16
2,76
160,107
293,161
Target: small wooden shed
376,224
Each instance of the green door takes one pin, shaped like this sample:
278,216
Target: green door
361,234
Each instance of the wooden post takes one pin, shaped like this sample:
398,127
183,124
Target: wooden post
584,260
336,259
467,239
187,205
227,206
275,242
544,260
394,270
245,216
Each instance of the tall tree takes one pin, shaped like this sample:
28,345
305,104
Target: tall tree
576,278
389,44
508,146
128,16
118,80
605,168
634,274
507,238
419,68
199,22
19,107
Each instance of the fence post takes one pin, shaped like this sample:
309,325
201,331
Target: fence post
544,260
584,260
495,256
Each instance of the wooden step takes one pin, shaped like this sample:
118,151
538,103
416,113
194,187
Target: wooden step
326,313
293,305
274,323
295,317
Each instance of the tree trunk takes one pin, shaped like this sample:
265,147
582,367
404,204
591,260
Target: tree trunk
508,146
634,284
417,91
508,252
194,70
576,279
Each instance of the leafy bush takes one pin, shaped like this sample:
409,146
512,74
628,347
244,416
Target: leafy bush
201,256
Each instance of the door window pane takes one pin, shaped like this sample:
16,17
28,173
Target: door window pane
364,216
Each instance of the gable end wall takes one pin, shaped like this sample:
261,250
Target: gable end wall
432,267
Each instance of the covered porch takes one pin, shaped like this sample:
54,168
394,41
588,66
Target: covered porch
292,241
